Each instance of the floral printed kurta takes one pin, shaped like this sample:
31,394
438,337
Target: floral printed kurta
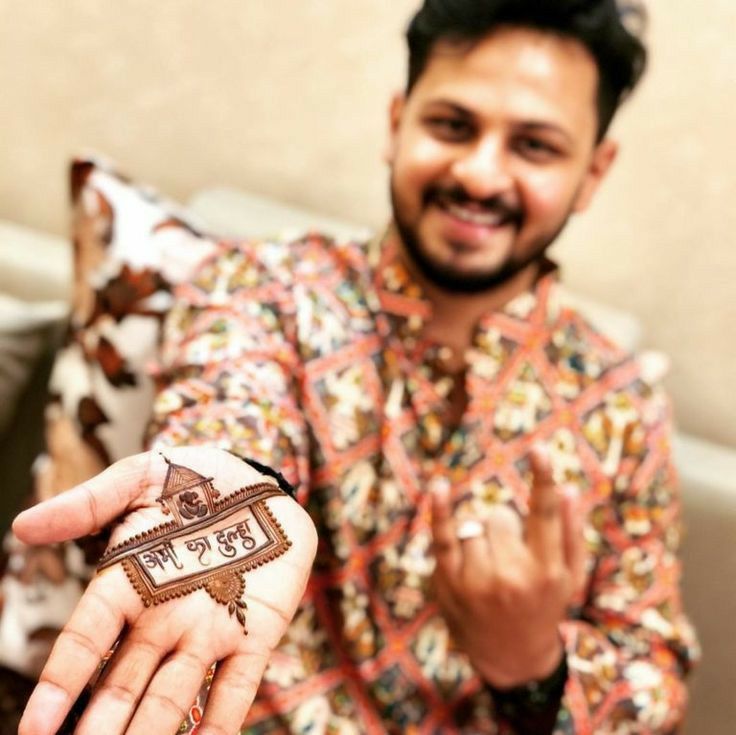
309,356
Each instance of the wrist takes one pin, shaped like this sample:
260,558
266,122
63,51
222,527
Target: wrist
527,672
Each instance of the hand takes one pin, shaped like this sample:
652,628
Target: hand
504,592
167,647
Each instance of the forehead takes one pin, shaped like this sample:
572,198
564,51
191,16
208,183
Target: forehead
526,73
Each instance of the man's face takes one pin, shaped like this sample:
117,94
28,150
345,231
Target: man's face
491,153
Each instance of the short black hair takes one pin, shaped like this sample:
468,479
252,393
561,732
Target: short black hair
602,26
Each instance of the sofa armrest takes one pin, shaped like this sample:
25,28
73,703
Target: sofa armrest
34,266
233,213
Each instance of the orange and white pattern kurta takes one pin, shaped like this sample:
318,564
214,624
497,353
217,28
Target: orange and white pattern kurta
309,357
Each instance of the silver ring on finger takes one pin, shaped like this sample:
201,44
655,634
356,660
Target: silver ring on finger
469,529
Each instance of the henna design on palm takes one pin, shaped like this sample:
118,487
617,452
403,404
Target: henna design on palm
209,544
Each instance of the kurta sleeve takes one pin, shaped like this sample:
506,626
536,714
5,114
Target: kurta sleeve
629,645
229,374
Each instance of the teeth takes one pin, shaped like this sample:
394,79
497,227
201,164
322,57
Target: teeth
485,219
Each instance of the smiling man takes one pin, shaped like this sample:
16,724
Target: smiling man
494,148
489,477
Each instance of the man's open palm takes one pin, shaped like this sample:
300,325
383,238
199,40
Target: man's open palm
206,548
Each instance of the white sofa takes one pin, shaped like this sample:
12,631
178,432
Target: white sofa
35,280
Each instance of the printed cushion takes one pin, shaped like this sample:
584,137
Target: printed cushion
131,248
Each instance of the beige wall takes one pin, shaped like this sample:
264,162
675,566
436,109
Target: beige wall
287,97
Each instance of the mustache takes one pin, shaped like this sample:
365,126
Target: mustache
499,204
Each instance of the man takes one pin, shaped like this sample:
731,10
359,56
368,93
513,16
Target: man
489,477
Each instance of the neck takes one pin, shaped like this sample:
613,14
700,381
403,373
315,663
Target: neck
455,315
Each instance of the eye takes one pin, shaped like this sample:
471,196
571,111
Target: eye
536,149
452,129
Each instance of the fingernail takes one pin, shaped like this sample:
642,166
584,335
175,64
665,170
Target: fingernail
440,488
541,449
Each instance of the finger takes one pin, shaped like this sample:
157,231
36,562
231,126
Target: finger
445,544
476,558
86,508
232,692
544,534
170,694
505,535
76,655
574,539
444,596
122,686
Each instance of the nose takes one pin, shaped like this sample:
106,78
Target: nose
482,169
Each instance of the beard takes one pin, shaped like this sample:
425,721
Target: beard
459,281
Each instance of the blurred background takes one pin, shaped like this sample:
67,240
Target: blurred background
288,99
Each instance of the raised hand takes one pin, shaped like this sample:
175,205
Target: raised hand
504,587
207,565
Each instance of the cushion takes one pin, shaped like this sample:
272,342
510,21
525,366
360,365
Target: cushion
131,248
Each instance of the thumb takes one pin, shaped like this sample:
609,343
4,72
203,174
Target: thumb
88,507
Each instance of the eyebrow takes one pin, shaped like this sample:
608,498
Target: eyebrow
531,126
454,106
543,127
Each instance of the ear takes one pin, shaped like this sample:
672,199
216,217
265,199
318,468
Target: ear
601,161
395,111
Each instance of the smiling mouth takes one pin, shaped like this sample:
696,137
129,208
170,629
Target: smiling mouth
476,217
491,215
